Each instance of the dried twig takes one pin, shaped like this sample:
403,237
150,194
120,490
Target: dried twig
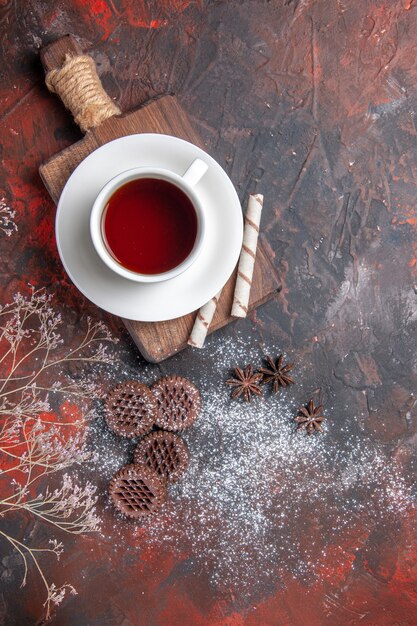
32,447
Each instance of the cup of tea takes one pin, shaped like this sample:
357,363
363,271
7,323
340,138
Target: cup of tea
147,224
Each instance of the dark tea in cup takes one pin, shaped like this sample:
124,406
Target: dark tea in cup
149,226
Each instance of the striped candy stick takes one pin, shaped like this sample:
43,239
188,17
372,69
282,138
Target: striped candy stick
203,321
247,256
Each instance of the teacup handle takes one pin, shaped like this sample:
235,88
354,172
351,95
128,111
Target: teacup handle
195,172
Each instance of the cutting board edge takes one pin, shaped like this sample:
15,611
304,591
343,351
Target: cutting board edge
272,293
153,359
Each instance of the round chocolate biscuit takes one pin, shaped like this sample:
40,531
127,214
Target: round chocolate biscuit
178,402
131,409
165,453
137,491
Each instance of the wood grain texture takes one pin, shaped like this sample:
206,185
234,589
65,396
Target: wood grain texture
156,340
53,55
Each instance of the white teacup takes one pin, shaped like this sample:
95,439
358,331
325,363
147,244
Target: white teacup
185,183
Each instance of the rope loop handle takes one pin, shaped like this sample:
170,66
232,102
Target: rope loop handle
79,87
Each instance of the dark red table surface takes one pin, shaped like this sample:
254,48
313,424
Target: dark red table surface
314,105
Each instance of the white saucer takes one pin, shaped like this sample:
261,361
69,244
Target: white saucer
143,301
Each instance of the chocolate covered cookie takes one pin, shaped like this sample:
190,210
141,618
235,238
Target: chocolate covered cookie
165,453
136,491
131,409
178,402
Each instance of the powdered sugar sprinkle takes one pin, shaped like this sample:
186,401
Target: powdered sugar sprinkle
260,499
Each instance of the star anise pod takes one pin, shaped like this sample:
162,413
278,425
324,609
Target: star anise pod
245,383
310,418
277,373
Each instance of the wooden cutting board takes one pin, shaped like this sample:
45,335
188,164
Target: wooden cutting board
155,340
